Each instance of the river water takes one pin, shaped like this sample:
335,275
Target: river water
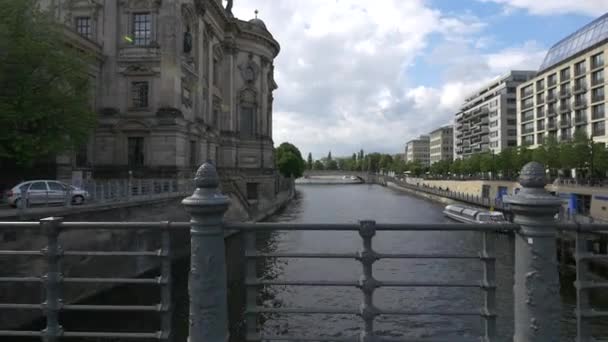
350,203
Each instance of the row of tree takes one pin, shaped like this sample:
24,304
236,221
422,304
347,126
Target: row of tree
589,159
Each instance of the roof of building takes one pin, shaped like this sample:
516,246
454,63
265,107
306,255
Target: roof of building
585,37
258,22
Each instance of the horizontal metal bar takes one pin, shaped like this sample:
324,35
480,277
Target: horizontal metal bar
154,335
301,283
5,306
116,253
20,279
157,280
379,227
256,337
19,225
154,308
590,284
592,313
250,254
356,283
357,312
591,256
428,256
20,333
21,253
125,225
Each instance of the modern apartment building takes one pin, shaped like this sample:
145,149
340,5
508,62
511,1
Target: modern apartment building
418,150
441,146
487,121
567,94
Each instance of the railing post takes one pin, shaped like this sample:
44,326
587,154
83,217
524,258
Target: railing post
367,283
52,279
537,303
165,294
207,283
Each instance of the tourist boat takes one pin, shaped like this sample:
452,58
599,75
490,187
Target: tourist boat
473,215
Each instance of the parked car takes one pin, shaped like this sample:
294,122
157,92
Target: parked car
45,191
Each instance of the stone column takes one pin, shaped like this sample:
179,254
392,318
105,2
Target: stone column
537,303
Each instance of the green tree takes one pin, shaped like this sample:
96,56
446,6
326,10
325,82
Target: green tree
456,167
289,160
567,157
487,162
45,103
582,151
541,155
506,160
332,165
318,165
600,160
553,155
309,161
386,160
329,156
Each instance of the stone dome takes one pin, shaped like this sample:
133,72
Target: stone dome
258,22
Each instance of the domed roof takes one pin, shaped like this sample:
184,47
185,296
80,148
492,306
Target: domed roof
258,22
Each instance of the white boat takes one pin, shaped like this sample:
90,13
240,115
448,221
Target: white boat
473,215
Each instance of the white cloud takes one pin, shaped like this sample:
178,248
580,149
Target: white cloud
592,8
343,70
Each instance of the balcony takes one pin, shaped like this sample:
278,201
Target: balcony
527,130
551,112
579,120
580,88
527,93
540,100
564,94
527,118
551,97
540,127
580,71
565,108
565,123
598,81
597,98
580,104
552,125
540,114
597,115
551,83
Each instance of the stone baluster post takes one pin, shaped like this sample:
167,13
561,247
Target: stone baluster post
537,303
207,283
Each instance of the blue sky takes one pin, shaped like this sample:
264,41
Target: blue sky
373,74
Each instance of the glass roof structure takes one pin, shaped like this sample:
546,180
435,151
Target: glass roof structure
587,36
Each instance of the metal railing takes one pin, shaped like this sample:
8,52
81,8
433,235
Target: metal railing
367,283
537,306
108,191
54,280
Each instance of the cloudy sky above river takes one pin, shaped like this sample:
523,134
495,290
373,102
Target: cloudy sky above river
367,74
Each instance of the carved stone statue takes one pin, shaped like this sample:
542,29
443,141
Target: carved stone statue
187,40
229,8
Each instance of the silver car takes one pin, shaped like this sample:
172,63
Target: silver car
45,192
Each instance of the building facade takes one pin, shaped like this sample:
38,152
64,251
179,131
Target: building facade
441,145
568,92
417,150
487,121
175,83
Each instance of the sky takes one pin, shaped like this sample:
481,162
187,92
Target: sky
362,74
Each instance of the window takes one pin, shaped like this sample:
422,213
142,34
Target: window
597,77
551,108
512,132
580,84
564,74
597,112
54,186
142,29
247,115
527,103
493,134
139,94
511,122
527,115
552,80
216,72
38,186
580,116
540,98
579,68
597,60
599,128
540,125
252,191
527,140
527,128
540,85
493,113
540,138
83,26
564,89
540,112
597,94
192,152
512,101
136,151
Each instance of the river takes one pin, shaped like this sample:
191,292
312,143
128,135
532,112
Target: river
350,203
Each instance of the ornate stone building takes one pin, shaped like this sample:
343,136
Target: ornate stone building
176,83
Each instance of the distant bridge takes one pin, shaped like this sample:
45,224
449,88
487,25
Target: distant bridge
363,176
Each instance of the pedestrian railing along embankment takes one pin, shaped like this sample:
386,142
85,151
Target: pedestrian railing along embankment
104,192
537,305
454,195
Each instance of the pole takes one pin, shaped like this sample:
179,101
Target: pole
536,290
207,282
